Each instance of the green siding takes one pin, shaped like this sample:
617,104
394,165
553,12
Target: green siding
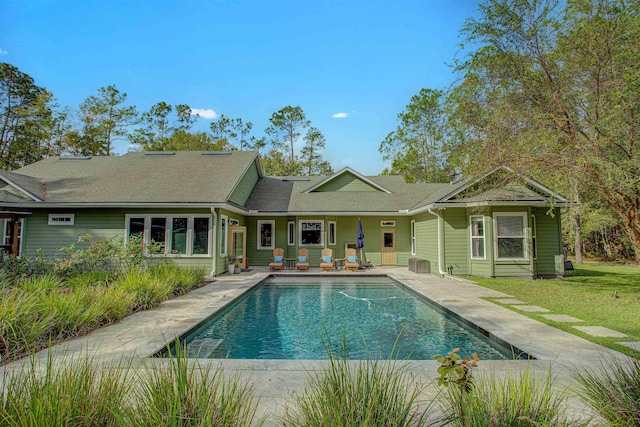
427,239
456,240
548,242
346,182
245,186
101,224
221,262
263,256
512,269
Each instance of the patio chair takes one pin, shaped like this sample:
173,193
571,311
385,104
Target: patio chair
302,263
277,261
326,262
351,260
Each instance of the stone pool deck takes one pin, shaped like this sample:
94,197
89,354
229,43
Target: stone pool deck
143,334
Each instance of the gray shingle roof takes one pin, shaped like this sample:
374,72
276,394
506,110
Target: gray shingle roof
185,177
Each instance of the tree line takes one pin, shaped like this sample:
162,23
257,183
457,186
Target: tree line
34,127
551,89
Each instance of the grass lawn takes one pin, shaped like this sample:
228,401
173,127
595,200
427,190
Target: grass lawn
586,293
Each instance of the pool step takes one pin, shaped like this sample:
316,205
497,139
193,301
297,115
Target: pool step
205,348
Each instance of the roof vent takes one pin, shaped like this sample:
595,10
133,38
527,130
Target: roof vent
159,153
301,179
75,158
215,153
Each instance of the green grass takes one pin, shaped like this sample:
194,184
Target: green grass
586,293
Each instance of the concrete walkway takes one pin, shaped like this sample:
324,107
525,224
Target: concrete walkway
142,334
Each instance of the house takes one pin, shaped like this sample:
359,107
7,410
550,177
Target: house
203,206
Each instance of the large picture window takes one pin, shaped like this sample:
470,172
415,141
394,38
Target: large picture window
266,234
476,224
510,236
180,235
311,233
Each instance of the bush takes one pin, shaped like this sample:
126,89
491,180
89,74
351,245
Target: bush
359,393
518,401
16,268
613,389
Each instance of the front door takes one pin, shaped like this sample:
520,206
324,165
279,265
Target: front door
389,247
238,245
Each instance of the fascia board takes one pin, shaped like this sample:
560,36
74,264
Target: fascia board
20,189
342,171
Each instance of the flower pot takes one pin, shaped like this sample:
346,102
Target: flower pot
237,270
232,268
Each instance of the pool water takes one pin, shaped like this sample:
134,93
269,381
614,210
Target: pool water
284,318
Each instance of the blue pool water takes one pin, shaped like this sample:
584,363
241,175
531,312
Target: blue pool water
285,319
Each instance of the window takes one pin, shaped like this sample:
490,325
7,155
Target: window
476,224
6,238
61,219
311,233
510,231
332,233
183,235
413,237
291,233
533,237
266,234
223,234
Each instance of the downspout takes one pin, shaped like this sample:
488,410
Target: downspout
440,251
214,255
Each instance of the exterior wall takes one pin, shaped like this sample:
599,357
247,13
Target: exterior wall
427,239
515,268
346,182
346,228
245,186
456,240
101,224
221,261
548,243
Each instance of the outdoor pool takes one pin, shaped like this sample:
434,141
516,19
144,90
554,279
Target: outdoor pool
300,318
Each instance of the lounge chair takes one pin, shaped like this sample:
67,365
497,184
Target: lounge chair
302,263
351,260
326,262
277,261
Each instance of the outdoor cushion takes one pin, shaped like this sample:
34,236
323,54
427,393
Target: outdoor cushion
326,259
302,259
277,258
352,259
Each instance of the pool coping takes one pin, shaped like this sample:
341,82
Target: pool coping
140,335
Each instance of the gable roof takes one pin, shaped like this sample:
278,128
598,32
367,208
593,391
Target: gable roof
19,187
366,183
139,178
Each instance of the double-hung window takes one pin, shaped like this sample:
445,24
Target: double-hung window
180,235
311,232
476,224
511,236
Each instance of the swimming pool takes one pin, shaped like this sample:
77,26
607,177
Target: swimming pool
299,318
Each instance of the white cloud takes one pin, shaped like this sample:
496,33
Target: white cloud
3,52
205,114
340,115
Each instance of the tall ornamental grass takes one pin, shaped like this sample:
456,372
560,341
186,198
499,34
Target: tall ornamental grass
369,392
613,390
44,309
184,393
66,393
511,400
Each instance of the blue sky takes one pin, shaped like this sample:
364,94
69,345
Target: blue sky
364,59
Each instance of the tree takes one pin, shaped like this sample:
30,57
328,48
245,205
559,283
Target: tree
223,131
181,140
312,161
416,146
158,125
105,119
284,130
243,133
555,92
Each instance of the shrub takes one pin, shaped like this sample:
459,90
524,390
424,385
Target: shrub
514,400
184,394
16,268
613,389
370,392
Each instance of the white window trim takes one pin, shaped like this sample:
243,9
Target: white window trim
414,241
167,235
332,224
273,234
483,237
224,234
534,237
5,231
291,233
52,221
316,245
523,237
